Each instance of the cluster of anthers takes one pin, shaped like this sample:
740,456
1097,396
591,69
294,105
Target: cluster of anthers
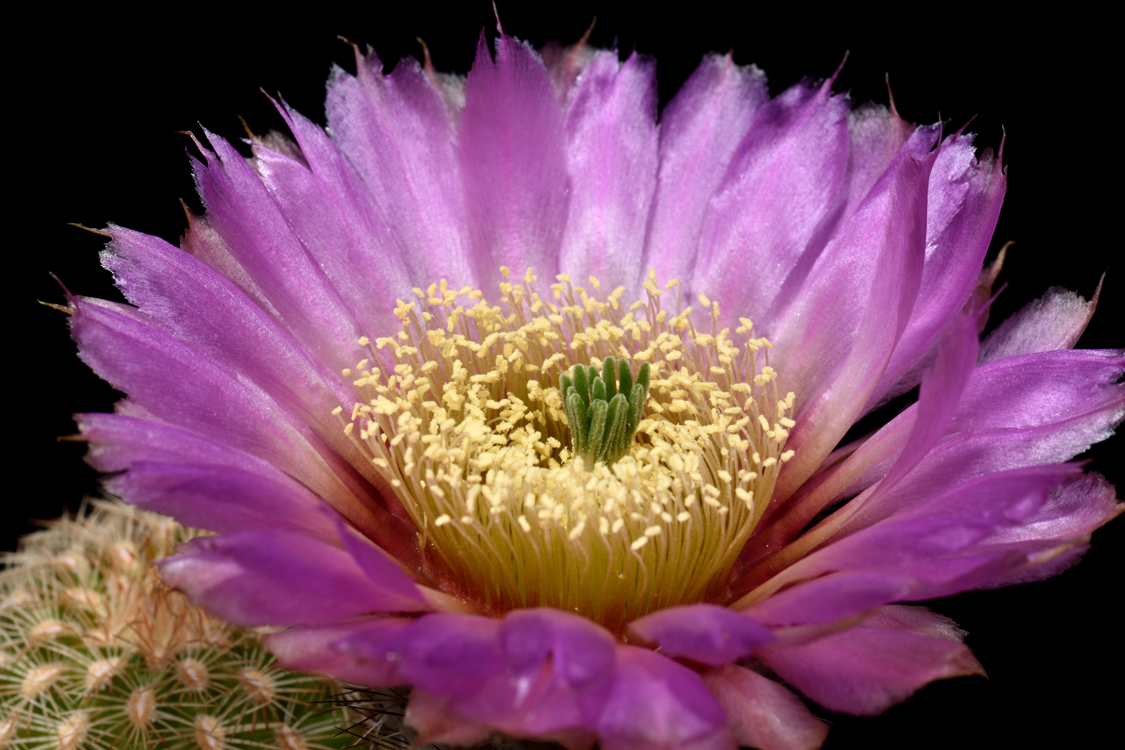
469,426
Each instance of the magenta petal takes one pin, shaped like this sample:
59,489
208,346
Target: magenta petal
763,714
134,355
835,340
554,662
699,131
1061,527
877,136
398,134
281,578
703,633
580,651
380,567
311,649
128,350
118,442
940,392
938,397
777,203
241,212
442,654
430,715
513,161
963,204
1072,395
1072,511
330,211
1054,321
222,498
208,313
869,668
611,157
834,598
936,548
656,703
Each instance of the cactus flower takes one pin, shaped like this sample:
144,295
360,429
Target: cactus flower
502,389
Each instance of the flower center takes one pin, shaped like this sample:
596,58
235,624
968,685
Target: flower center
534,481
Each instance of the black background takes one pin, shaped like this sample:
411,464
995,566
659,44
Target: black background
96,97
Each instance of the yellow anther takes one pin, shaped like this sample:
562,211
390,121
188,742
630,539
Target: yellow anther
471,432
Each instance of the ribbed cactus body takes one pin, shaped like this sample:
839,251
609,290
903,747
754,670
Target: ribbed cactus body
96,654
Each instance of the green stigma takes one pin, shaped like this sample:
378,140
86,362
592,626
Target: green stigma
603,409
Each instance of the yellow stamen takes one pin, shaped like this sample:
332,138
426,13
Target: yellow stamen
461,413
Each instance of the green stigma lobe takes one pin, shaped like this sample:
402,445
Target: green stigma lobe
603,409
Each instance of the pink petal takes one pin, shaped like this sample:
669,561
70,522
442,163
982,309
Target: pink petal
1062,526
1054,321
206,311
611,157
963,204
284,578
761,713
442,654
252,228
431,717
1071,393
940,392
123,346
656,703
513,163
311,648
835,341
330,211
398,134
222,498
699,131
867,669
554,662
776,205
935,548
703,633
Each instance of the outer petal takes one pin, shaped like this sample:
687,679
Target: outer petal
940,392
963,204
118,442
834,343
430,715
611,157
441,654
877,137
761,713
513,162
656,703
283,578
1072,395
400,137
699,131
123,346
937,548
208,312
252,228
312,649
1061,528
554,662
703,633
1054,321
867,669
330,211
222,498
777,203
